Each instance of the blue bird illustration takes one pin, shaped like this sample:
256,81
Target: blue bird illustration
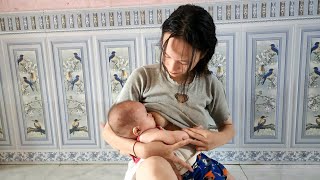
20,59
316,70
77,56
117,78
76,79
25,79
316,46
269,73
274,49
113,53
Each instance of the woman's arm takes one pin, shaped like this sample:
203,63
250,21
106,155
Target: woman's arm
124,145
144,150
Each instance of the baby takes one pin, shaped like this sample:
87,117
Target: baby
130,119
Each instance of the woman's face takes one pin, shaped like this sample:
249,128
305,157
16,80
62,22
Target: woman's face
177,57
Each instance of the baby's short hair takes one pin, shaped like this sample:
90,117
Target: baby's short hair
121,118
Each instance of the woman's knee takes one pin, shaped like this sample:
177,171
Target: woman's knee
154,163
155,160
156,167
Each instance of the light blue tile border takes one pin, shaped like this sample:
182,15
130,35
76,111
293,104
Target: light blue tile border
153,16
229,157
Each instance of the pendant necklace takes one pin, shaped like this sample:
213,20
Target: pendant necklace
181,98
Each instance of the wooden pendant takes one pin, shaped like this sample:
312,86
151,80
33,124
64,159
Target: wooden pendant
181,98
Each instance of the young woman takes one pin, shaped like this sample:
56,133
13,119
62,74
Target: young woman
184,92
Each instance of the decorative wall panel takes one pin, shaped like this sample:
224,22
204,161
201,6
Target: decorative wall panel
266,73
28,78
222,66
308,106
153,50
72,71
5,139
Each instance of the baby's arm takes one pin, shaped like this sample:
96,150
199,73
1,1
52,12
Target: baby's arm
168,137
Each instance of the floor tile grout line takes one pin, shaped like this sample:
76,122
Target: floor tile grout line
243,172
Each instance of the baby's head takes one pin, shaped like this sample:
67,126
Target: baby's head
129,119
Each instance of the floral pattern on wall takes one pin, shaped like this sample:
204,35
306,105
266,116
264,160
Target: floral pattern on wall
31,99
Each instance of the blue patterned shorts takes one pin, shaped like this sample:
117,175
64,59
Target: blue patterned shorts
206,168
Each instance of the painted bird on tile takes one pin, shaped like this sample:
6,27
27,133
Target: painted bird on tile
25,79
74,81
113,53
316,70
75,126
124,75
261,122
268,74
117,78
20,59
219,72
318,119
274,49
69,76
33,77
38,127
315,46
261,72
77,56
33,80
36,124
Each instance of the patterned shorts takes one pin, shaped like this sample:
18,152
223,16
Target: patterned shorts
206,168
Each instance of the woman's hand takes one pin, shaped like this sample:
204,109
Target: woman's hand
205,140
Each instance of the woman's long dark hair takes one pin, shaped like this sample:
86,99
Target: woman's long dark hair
194,25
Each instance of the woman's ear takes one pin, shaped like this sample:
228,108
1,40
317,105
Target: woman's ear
136,131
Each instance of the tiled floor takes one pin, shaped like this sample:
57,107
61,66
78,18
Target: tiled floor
116,172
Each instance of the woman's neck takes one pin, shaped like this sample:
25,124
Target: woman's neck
184,79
